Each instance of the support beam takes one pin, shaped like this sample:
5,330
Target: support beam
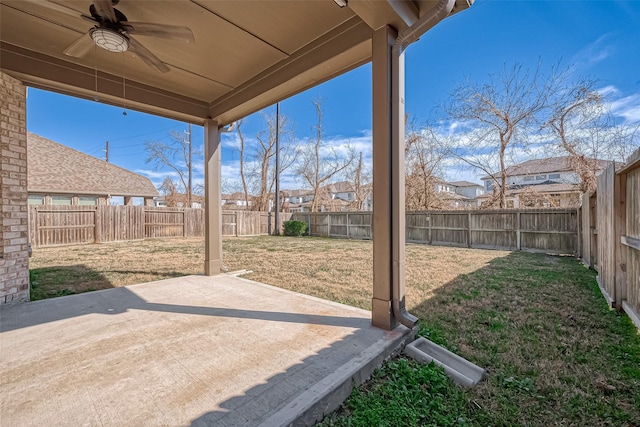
384,239
49,73
212,195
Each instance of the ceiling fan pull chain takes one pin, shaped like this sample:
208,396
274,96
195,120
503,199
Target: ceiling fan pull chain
124,89
95,70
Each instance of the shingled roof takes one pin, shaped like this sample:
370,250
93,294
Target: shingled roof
547,165
54,168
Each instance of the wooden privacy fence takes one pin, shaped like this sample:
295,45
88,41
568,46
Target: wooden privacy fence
250,223
71,225
611,235
548,230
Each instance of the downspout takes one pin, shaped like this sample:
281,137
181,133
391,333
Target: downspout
404,39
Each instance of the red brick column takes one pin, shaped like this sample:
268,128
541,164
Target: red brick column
14,258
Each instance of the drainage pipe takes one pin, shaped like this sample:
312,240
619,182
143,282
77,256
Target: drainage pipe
404,39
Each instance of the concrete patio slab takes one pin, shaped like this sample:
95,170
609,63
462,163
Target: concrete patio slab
190,351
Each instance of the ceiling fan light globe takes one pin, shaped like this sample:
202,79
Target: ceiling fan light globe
109,40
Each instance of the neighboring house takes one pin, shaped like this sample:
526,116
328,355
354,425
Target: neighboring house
296,197
235,201
458,194
197,202
346,191
59,175
549,182
467,189
339,196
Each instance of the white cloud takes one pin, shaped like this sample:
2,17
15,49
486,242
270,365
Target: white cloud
627,107
155,175
592,54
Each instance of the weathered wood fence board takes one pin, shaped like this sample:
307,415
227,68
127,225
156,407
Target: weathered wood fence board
549,230
612,215
250,223
72,225
59,225
604,225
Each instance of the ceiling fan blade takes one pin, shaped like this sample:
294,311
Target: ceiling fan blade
80,47
105,9
173,32
146,55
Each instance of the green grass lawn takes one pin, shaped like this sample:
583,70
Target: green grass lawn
555,354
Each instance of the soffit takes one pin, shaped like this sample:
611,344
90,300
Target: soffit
246,54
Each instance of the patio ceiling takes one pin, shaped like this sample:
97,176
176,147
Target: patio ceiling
246,55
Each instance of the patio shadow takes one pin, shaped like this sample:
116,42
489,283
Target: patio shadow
120,300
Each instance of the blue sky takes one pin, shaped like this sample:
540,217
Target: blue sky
597,39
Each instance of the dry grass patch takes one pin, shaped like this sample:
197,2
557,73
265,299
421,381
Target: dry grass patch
75,269
340,270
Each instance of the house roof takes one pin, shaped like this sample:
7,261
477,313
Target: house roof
544,188
548,165
340,187
55,168
465,184
295,193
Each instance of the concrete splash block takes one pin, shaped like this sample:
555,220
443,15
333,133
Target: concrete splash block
461,371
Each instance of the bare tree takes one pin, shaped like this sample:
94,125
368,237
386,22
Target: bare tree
424,154
587,132
498,111
320,162
265,153
174,155
172,197
358,175
242,162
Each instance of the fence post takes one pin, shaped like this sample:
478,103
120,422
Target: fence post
579,231
328,224
429,231
36,234
518,242
184,222
469,230
97,223
235,227
347,225
269,223
620,230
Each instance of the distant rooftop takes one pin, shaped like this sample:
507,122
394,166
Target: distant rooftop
55,168
548,165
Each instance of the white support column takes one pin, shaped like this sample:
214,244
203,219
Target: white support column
212,195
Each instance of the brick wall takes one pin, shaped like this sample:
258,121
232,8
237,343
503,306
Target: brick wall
14,258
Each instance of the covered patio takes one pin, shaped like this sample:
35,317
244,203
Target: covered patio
218,63
201,351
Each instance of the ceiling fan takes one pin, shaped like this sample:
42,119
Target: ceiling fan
114,32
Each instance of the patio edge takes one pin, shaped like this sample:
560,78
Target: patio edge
327,395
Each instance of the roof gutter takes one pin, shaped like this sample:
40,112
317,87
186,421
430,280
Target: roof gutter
404,39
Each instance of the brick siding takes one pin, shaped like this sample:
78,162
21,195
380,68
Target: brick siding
14,258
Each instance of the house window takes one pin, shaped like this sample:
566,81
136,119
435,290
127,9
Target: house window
36,199
488,185
541,177
554,176
528,178
87,201
61,200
